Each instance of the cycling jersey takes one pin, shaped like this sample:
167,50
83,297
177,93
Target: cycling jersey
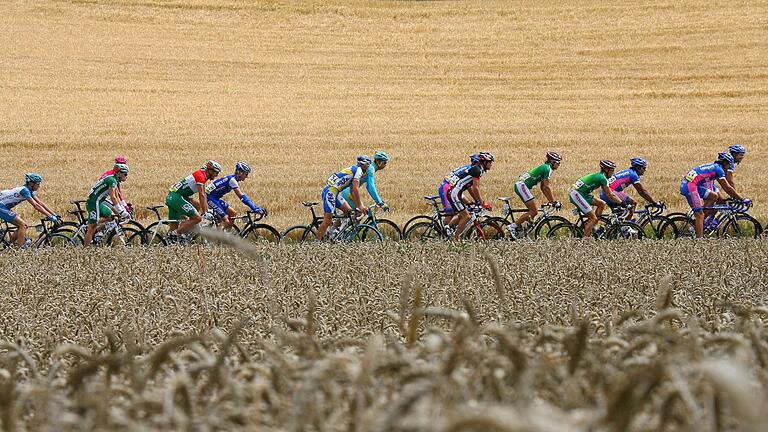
702,173
12,197
454,185
622,179
344,178
101,188
190,184
696,185
589,183
536,175
370,185
222,186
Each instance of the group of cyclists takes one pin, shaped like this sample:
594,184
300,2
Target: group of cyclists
193,198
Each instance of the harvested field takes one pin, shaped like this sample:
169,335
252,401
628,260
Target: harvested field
299,88
566,336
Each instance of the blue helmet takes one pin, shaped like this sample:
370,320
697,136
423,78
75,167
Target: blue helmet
364,160
737,148
243,167
638,162
32,178
380,156
475,158
724,157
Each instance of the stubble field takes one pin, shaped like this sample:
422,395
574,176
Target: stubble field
545,336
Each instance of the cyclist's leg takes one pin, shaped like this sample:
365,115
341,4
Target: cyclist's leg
96,212
329,198
229,219
526,196
174,210
462,215
442,192
221,210
193,218
12,217
691,194
584,205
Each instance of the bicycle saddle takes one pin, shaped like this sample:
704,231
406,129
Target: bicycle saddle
155,207
309,203
431,198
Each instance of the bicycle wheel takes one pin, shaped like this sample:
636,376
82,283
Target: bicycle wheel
487,230
153,235
131,236
564,230
625,231
298,234
677,226
741,225
501,223
412,221
58,239
546,225
424,231
261,233
389,230
366,233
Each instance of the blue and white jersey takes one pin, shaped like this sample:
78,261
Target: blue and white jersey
732,168
623,178
11,197
221,186
462,177
342,179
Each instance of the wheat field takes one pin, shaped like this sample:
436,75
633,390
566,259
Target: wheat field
300,88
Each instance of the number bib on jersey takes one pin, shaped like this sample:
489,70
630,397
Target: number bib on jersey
691,176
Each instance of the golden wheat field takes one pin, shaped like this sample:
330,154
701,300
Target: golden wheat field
433,337
299,88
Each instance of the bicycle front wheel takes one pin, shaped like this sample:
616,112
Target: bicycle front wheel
259,233
625,231
389,230
741,225
424,231
298,234
413,221
653,228
131,237
485,230
564,230
59,239
547,225
366,233
677,226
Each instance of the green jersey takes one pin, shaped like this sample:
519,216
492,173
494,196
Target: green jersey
536,175
590,182
101,188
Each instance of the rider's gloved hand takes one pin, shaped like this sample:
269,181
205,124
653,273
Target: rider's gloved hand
486,205
747,201
384,206
556,205
208,215
54,218
124,215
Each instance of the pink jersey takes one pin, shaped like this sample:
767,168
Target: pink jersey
107,174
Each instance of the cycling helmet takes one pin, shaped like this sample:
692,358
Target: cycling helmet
380,156
638,162
475,158
554,157
121,168
243,167
724,157
605,163
121,160
737,148
32,178
212,165
364,160
486,156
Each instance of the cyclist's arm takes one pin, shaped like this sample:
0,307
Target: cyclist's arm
39,207
611,196
247,201
547,191
644,193
203,197
370,185
729,179
354,193
117,208
474,190
729,189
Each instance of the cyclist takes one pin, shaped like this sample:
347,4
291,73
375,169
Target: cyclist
380,160
454,185
694,188
10,198
622,179
527,181
97,208
581,194
181,192
224,185
738,152
120,196
336,183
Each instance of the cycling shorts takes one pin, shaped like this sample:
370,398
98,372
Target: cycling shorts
178,206
7,214
695,195
97,211
331,200
583,203
625,199
218,206
523,192
443,192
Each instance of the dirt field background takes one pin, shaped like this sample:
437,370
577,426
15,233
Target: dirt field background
298,89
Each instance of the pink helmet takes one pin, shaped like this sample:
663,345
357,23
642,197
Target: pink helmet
121,160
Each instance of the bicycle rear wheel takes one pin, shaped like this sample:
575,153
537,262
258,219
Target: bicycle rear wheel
625,231
259,233
741,225
58,239
487,230
652,228
564,230
153,235
547,225
424,231
131,236
298,234
412,221
677,226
